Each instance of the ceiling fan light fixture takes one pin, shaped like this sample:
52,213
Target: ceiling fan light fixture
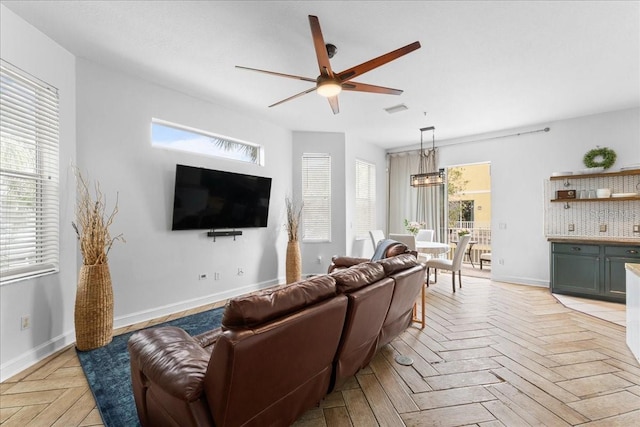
329,88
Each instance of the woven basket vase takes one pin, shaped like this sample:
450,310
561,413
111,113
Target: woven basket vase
293,262
94,307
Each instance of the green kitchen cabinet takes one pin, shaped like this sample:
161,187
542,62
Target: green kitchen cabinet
591,270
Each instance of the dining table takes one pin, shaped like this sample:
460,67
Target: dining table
432,248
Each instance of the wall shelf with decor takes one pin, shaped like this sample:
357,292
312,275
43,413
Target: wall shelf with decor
584,176
597,175
568,213
601,199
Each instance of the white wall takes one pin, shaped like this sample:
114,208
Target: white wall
156,271
332,143
356,149
519,167
344,150
47,300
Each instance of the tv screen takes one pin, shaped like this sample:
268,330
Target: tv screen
212,199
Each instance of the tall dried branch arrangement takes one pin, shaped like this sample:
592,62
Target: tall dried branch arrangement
92,223
294,212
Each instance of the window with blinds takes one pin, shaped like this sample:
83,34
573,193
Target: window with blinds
28,176
365,214
316,196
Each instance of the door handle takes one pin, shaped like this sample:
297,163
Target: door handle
576,248
632,251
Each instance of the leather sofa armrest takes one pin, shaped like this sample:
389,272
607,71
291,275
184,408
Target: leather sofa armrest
208,338
170,358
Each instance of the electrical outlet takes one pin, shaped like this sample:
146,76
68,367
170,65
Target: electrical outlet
216,276
202,276
240,271
25,323
572,227
501,261
603,228
636,228
319,259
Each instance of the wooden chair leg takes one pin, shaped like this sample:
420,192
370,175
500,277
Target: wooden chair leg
424,300
460,278
453,280
427,281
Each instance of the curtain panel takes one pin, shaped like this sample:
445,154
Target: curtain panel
422,204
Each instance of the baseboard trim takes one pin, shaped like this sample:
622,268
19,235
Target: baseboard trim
521,281
154,313
35,355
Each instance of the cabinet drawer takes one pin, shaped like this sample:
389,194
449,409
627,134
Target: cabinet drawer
575,249
624,251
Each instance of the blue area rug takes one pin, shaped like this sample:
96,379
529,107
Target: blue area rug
109,374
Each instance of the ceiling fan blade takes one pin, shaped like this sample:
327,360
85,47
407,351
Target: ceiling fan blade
363,87
333,101
358,70
273,73
321,48
293,97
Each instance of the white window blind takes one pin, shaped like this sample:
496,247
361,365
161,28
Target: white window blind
316,196
28,176
365,215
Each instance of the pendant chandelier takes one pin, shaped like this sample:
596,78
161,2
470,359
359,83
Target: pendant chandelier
424,178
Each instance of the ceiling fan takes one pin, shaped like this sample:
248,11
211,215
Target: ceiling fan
329,84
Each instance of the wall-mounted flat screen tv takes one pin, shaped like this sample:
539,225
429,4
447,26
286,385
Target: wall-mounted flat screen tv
213,199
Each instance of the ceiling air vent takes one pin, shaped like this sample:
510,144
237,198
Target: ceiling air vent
396,109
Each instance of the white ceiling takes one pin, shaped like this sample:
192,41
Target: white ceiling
483,66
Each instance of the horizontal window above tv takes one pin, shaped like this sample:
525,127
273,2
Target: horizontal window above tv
214,199
176,137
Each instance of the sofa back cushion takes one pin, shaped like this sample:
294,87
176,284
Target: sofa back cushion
254,309
398,263
357,276
271,374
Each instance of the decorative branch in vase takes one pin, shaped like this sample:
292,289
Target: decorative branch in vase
92,223
294,261
93,315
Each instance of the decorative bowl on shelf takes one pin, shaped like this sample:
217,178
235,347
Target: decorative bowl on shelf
590,170
624,194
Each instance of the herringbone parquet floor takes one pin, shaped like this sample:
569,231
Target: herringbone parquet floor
492,354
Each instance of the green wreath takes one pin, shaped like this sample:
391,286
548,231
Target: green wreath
608,158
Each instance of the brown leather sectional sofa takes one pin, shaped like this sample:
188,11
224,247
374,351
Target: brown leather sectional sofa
278,351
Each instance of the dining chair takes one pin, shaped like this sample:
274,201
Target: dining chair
454,265
376,237
408,239
425,235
